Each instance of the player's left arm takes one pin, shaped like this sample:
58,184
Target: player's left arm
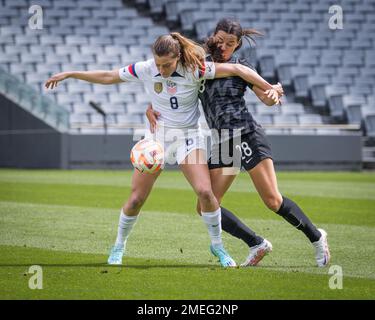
223,70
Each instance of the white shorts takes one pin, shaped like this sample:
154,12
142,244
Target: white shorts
178,143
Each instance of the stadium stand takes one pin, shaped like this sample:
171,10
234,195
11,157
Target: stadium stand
329,75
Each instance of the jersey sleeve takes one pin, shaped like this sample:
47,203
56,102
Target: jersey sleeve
135,72
207,71
247,64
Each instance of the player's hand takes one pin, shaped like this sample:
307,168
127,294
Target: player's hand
275,93
152,117
52,82
272,94
279,88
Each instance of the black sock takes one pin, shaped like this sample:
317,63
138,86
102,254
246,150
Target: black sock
234,226
292,213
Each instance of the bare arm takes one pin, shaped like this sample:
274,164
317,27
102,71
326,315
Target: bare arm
224,70
97,76
152,117
262,96
270,97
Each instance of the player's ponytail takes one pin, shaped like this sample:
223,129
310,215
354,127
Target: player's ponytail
191,54
249,34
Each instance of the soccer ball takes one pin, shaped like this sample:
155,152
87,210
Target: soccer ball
147,155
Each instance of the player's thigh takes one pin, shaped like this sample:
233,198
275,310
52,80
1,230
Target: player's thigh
197,173
221,180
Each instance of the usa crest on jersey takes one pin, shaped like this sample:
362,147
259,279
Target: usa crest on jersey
171,87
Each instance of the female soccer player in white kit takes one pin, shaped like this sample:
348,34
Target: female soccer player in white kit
173,80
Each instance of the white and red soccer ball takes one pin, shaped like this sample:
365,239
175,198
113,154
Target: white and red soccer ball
147,155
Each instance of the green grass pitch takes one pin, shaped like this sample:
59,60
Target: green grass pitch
66,221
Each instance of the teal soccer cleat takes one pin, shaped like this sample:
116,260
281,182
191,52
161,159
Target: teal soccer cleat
224,257
115,256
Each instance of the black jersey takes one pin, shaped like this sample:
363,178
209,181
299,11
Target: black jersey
224,104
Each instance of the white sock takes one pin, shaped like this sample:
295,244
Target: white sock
125,225
213,223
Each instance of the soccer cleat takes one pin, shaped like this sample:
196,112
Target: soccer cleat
115,256
257,253
224,257
322,250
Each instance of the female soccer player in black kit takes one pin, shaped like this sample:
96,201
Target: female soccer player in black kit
236,130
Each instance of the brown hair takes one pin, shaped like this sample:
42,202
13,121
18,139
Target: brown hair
191,54
232,27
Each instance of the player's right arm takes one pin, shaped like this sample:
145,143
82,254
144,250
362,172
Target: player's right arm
97,76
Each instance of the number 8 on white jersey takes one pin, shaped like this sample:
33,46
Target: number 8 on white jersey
175,97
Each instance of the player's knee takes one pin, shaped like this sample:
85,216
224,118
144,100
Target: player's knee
273,202
205,195
136,201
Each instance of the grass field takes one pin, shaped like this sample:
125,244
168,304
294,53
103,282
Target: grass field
66,221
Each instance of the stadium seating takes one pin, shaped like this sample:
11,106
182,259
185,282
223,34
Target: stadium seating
326,72
370,125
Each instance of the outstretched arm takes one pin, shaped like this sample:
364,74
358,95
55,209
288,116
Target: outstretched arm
97,76
223,70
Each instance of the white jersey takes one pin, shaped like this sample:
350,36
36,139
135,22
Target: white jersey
175,97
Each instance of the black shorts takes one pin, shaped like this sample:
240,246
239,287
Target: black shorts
244,151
